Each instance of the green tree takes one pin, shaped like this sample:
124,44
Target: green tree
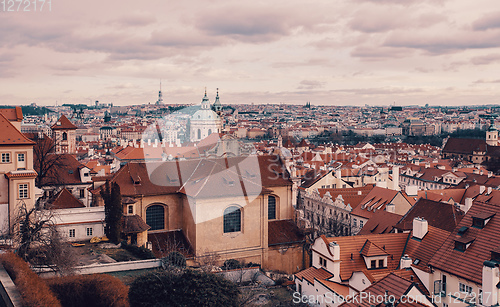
113,211
191,288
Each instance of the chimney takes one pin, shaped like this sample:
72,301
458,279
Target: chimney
395,178
490,173
468,204
482,188
488,190
405,262
427,165
420,227
489,284
335,250
338,174
411,190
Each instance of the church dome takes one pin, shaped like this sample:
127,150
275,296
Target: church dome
204,114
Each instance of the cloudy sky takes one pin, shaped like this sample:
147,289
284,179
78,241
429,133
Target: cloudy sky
332,52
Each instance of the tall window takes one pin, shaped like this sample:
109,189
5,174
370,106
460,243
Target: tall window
232,219
271,207
64,136
71,233
23,190
155,217
89,231
209,131
199,134
5,157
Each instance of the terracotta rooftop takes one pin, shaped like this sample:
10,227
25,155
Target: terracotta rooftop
391,285
380,222
63,123
133,224
13,114
438,214
392,243
468,264
10,135
464,146
421,251
65,200
370,249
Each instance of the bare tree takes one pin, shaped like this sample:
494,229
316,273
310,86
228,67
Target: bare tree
208,261
46,161
38,242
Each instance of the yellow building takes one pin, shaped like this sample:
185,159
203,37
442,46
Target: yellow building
219,205
17,177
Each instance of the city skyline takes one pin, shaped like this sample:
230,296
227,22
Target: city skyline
434,52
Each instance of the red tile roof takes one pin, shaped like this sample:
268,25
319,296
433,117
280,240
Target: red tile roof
392,243
10,135
391,285
441,215
380,222
133,224
63,123
65,200
13,114
469,263
421,251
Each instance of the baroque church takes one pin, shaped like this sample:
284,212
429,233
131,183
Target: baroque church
206,120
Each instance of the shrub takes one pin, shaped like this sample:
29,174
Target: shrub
139,252
34,291
192,288
231,264
89,290
175,259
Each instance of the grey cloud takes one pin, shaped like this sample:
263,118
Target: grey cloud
310,84
440,44
486,59
488,21
482,81
260,23
374,53
136,20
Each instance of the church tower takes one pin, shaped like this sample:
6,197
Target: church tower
160,97
217,107
64,135
492,135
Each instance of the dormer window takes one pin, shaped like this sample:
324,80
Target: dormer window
322,262
461,244
481,219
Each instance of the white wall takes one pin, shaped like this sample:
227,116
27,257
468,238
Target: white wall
4,218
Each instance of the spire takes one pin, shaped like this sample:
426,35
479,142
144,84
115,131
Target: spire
217,107
160,96
205,103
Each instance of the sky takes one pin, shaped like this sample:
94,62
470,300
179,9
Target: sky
333,52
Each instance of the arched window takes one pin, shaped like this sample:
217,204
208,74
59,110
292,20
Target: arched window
65,136
199,134
155,217
271,207
232,219
209,131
